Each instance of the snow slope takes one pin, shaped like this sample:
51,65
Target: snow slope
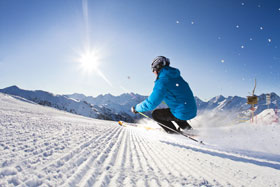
67,104
44,146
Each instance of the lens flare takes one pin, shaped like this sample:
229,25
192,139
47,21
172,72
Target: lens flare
89,60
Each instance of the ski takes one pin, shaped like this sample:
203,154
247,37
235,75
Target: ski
121,123
190,136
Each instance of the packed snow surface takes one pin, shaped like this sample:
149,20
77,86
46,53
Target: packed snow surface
44,146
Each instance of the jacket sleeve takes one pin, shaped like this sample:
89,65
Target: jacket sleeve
154,99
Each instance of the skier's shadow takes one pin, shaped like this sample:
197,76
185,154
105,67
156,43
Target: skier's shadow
228,155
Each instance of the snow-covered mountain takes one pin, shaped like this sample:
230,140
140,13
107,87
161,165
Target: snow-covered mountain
119,104
67,104
236,104
118,107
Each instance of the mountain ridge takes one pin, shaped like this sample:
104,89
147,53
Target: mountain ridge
71,105
107,106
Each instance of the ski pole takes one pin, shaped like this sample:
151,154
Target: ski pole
172,129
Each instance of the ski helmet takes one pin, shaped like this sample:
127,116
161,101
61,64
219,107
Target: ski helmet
159,62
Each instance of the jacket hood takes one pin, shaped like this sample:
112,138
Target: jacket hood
169,72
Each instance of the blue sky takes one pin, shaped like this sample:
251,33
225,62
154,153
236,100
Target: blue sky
219,46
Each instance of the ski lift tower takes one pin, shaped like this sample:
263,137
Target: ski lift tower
253,100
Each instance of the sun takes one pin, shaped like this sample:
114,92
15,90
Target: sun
89,60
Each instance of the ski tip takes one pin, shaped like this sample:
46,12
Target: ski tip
120,123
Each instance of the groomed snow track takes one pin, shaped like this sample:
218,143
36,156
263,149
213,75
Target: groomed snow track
47,147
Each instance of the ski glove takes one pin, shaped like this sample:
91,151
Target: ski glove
133,110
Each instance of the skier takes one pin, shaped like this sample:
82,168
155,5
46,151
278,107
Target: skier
171,88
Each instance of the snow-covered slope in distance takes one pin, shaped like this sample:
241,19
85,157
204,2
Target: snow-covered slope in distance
67,104
43,146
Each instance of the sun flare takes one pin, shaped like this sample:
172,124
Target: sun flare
89,60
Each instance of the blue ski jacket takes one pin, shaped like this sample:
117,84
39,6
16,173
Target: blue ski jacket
171,88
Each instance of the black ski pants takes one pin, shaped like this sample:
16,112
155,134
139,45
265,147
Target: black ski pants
165,117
